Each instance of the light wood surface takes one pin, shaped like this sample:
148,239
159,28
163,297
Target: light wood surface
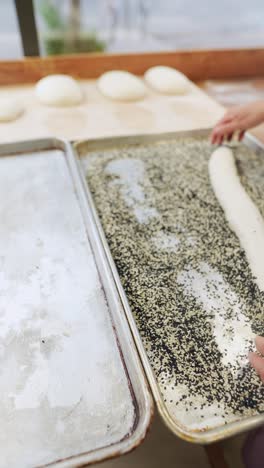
196,64
98,116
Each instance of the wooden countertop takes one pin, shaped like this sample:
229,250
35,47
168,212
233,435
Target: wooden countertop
98,116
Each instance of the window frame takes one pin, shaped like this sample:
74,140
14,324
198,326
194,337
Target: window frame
27,26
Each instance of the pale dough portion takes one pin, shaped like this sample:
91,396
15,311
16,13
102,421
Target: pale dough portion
167,80
58,90
121,86
241,213
10,109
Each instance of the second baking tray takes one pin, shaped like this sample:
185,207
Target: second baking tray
72,388
185,284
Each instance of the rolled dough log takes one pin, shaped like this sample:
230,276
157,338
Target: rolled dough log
10,109
241,213
58,90
167,80
121,86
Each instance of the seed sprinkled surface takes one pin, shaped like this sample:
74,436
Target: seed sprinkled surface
186,277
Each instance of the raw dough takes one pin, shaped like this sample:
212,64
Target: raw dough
10,109
58,90
241,213
167,80
121,86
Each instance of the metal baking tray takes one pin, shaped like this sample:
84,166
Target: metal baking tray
72,389
92,150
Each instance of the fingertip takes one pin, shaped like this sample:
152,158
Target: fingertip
221,139
253,360
214,138
259,340
241,135
257,363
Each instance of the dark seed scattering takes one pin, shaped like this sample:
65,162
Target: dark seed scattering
164,225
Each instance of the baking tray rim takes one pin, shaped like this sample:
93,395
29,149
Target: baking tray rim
146,408
203,437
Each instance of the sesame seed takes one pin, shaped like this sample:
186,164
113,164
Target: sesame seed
162,219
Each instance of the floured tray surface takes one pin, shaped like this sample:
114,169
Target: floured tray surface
187,280
66,392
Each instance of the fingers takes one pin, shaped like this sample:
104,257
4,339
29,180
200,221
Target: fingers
224,130
258,363
225,119
216,138
238,119
235,120
260,344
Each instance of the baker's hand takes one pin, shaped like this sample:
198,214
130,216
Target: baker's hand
238,119
258,361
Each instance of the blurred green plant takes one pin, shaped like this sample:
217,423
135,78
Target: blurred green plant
56,44
64,36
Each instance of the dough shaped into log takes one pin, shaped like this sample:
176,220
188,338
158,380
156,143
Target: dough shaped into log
243,216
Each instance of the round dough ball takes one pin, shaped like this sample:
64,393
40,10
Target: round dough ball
10,109
58,90
167,80
121,86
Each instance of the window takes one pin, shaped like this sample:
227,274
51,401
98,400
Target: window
10,42
148,25
75,26
70,26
